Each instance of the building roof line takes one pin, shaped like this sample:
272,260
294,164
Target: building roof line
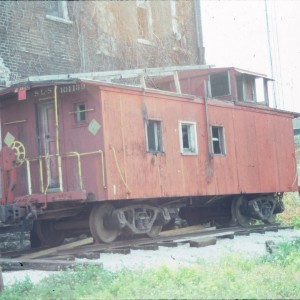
118,74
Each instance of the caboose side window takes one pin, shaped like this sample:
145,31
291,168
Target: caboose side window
218,141
252,89
80,112
154,136
219,84
188,138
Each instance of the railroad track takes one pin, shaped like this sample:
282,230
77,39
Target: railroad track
64,256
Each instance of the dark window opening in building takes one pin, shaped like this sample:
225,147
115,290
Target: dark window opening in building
80,115
154,136
143,26
219,84
188,138
218,141
249,87
142,20
240,88
55,9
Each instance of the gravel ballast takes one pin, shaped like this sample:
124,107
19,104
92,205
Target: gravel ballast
252,246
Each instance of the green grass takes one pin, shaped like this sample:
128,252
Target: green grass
270,277
291,214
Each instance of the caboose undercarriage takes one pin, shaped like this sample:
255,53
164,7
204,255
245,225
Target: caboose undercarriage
108,220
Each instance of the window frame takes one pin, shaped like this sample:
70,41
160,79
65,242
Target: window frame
259,91
65,14
78,113
193,135
249,81
220,139
74,113
143,4
174,16
158,136
210,87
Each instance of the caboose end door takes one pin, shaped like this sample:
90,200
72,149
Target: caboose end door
47,145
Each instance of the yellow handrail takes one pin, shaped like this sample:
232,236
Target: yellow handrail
69,154
48,175
119,170
29,187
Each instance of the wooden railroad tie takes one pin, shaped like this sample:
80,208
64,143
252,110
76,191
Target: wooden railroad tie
286,227
167,244
88,255
203,242
274,229
62,257
52,251
242,233
227,236
260,231
117,251
190,229
145,247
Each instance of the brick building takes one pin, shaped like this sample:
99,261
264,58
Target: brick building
59,37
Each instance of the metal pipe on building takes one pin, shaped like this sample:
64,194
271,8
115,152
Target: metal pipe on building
57,140
199,33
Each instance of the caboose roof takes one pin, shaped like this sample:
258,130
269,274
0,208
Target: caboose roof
13,90
44,81
33,84
98,78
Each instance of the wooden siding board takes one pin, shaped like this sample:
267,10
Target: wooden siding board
174,174
287,172
225,174
266,147
77,138
23,132
246,151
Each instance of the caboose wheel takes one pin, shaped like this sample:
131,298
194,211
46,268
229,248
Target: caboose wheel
239,211
155,230
96,222
45,231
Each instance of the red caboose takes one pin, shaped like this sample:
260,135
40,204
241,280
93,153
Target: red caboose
112,158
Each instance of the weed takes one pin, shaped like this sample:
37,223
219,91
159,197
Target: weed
18,290
291,215
232,277
287,254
